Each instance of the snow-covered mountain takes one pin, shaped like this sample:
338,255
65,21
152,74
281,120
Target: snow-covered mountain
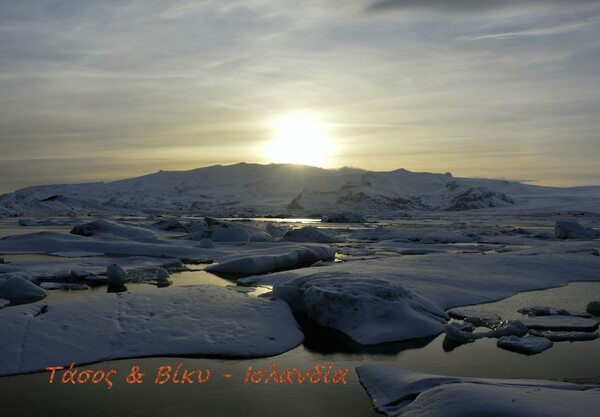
291,189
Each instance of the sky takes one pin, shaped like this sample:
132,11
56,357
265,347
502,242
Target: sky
102,90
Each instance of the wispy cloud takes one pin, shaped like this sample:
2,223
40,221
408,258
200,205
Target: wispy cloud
83,80
461,6
535,32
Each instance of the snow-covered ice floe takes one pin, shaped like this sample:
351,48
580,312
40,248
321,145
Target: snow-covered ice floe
473,316
17,289
558,336
551,311
561,323
202,320
445,280
368,310
89,268
310,234
50,242
529,345
273,259
460,333
573,230
399,392
109,229
593,307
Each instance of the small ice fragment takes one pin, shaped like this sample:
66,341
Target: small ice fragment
564,336
593,308
529,345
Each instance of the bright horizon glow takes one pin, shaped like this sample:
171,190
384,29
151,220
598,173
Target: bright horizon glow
498,89
300,138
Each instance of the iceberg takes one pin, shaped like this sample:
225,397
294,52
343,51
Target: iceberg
367,309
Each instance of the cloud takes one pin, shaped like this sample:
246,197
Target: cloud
462,6
535,32
89,85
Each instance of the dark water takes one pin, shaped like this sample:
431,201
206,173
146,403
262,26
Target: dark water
33,395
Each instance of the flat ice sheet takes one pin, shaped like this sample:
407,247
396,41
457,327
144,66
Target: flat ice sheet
406,393
453,280
201,320
445,280
275,258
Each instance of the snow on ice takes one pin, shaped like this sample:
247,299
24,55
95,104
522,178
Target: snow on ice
272,259
18,289
210,321
564,323
399,392
445,280
367,309
529,345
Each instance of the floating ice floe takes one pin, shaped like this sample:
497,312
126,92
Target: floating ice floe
162,278
573,230
529,345
367,309
64,286
475,317
441,237
550,311
178,225
222,231
233,234
447,280
18,289
276,231
88,269
457,280
50,242
115,275
206,243
460,334
557,336
419,251
399,392
344,218
75,254
273,259
310,234
48,222
4,302
109,229
561,323
593,308
202,320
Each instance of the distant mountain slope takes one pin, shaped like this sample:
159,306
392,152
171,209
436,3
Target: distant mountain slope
276,188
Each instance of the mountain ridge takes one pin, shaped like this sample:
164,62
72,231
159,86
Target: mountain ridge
256,189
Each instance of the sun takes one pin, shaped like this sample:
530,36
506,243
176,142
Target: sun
300,138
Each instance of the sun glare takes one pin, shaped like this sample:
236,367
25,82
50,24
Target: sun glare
299,139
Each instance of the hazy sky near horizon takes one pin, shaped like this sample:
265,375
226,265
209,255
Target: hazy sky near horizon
100,90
